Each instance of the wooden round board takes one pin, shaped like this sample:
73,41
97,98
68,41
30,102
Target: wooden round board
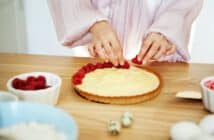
123,86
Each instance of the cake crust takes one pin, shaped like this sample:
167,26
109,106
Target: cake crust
123,99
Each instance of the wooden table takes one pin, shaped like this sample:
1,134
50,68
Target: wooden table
152,119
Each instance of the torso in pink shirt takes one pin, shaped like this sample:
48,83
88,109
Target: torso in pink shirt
132,20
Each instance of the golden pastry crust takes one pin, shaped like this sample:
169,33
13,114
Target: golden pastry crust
123,99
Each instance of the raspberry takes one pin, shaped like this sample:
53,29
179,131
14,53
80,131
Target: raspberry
209,84
107,65
30,79
77,81
29,87
80,73
92,67
99,65
41,78
135,60
89,67
18,83
83,70
31,83
125,65
39,85
86,69
212,86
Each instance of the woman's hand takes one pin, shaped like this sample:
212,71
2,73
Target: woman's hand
155,46
105,43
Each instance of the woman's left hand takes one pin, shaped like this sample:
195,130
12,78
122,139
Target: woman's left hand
155,46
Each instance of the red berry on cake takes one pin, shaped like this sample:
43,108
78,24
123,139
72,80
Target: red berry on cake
135,60
99,65
125,65
76,80
107,65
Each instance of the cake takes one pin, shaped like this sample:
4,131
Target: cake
116,85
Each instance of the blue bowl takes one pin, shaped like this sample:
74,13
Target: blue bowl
12,113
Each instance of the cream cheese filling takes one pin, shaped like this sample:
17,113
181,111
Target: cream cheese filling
112,82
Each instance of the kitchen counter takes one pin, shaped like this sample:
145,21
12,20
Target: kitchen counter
152,119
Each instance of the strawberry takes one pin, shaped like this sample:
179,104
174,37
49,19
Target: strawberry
135,60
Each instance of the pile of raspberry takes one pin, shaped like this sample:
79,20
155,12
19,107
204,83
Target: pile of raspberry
31,83
210,84
80,74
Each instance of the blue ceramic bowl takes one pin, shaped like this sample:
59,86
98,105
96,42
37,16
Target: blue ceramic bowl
12,113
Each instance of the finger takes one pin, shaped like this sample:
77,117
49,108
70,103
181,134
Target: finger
144,48
160,53
171,51
91,49
108,50
152,51
100,51
116,50
119,53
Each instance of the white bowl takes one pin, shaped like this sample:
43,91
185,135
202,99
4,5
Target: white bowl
46,96
207,94
7,97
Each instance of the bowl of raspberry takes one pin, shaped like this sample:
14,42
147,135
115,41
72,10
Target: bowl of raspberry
41,87
207,87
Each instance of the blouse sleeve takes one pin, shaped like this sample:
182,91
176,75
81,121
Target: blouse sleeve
73,19
174,20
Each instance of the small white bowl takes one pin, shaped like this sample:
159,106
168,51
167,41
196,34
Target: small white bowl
7,97
46,96
207,94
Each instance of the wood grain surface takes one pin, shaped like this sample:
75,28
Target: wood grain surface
152,119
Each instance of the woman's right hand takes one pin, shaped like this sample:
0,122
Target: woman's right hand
105,43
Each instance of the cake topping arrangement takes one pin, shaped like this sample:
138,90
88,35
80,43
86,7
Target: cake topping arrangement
105,83
80,74
31,83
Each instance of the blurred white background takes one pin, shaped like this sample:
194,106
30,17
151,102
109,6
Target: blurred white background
26,27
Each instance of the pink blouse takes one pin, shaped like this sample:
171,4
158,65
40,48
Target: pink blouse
132,19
